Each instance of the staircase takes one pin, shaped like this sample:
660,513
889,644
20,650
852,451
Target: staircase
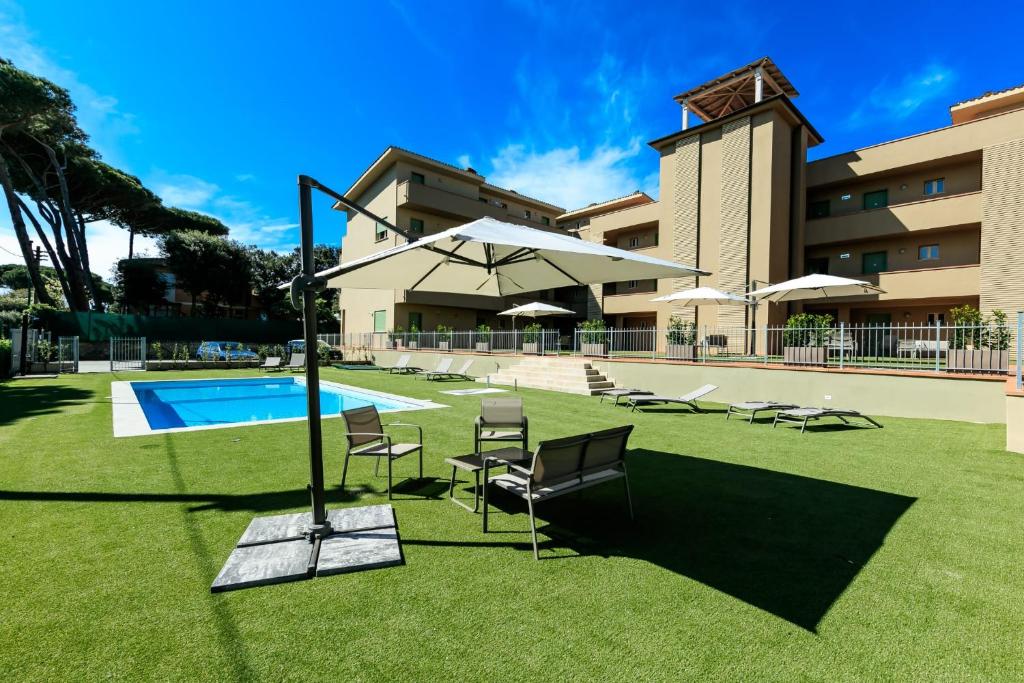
568,375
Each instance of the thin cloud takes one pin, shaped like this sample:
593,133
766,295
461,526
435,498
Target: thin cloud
899,102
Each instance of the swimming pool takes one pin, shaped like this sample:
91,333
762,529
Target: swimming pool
177,405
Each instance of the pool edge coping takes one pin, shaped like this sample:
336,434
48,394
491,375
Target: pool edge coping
130,420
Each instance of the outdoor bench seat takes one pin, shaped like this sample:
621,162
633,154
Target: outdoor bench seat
561,466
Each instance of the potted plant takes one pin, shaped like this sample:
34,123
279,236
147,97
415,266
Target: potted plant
443,333
483,338
804,339
681,339
531,338
398,337
414,333
977,343
156,350
594,338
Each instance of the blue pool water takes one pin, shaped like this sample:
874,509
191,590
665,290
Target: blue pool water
198,403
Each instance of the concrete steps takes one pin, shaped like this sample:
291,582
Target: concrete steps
568,375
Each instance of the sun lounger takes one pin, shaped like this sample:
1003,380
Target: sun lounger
689,399
444,366
401,366
802,416
443,370
620,393
296,362
750,409
271,363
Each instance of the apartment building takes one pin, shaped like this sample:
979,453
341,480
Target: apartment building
426,196
935,219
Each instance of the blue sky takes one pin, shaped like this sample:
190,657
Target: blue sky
217,106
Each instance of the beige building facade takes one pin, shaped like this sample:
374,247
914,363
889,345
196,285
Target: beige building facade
935,219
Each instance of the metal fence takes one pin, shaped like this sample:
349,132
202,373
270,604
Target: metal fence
127,353
541,342
936,348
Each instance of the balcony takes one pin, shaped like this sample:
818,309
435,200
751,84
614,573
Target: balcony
927,214
923,283
629,303
444,203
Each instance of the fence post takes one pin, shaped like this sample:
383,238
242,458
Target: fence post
142,351
938,344
766,345
111,353
842,343
1020,350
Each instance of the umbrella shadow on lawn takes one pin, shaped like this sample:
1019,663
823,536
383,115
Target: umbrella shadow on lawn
787,544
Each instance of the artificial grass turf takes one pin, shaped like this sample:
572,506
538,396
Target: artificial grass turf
756,553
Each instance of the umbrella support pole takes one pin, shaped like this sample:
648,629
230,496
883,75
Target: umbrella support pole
293,547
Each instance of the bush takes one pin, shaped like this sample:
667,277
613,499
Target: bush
483,332
5,357
999,333
530,333
681,332
594,331
807,329
444,333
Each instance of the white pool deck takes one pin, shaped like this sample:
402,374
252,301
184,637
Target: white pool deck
130,420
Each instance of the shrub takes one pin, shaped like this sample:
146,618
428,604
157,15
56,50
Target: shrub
681,331
807,329
531,333
156,349
594,331
5,357
967,323
483,332
444,333
998,332
44,352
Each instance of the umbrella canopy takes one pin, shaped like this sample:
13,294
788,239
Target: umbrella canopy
537,310
815,287
494,258
705,296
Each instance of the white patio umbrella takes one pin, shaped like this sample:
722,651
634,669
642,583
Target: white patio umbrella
702,296
495,258
816,286
535,310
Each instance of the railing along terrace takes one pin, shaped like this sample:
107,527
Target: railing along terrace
935,347
541,342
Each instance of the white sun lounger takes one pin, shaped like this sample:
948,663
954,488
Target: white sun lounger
689,399
750,409
802,416
401,366
620,393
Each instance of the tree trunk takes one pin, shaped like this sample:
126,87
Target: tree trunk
131,242
21,231
89,283
57,267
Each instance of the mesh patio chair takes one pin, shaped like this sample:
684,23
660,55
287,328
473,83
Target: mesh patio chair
366,438
501,419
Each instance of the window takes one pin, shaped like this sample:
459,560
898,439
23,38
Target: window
875,262
631,284
928,252
381,233
415,322
818,209
380,321
417,178
817,265
634,242
416,225
545,220
527,214
932,317
934,186
876,200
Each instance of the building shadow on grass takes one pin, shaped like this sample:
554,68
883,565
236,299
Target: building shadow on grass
28,398
787,544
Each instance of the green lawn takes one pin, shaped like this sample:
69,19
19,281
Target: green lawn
757,554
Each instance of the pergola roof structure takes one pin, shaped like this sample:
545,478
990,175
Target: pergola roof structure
735,90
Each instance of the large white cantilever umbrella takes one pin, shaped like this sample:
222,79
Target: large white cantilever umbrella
818,286
537,309
494,258
486,257
702,296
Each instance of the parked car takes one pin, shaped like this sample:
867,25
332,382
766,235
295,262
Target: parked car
221,350
295,346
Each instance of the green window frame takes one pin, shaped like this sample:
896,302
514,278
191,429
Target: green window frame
380,321
381,233
879,199
819,209
418,178
545,220
416,225
874,262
